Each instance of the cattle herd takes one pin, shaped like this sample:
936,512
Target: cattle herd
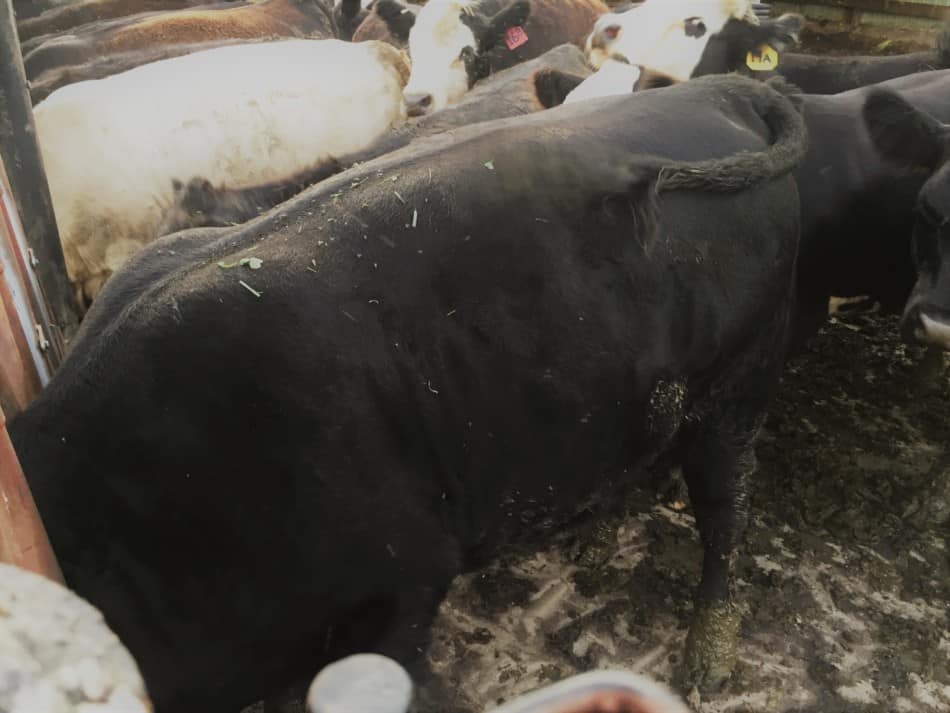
367,282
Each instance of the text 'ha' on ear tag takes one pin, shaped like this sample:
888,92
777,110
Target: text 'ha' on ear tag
762,59
515,37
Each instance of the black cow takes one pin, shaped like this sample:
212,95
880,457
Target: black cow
199,203
915,139
831,75
522,89
256,471
857,209
349,15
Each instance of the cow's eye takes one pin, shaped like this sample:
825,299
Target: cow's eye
694,27
467,54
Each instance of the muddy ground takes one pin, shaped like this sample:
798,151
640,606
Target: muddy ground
845,575
837,38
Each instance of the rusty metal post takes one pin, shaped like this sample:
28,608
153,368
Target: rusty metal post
23,540
20,155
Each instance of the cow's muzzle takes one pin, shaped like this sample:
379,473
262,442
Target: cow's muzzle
926,324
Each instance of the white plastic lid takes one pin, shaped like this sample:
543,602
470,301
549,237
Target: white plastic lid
364,683
569,695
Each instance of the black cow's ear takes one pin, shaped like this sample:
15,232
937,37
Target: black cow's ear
552,86
494,29
902,133
398,18
781,32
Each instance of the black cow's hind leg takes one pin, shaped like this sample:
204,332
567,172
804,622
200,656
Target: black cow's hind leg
432,561
717,467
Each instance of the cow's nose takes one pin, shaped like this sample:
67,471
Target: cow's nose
417,104
926,323
605,36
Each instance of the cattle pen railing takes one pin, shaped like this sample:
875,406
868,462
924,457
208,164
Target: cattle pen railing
872,16
24,370
38,311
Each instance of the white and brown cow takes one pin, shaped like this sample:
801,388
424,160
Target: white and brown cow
100,47
67,16
454,43
112,147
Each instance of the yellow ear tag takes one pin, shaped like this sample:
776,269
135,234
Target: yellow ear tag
763,59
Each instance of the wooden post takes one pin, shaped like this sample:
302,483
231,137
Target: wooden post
23,540
21,158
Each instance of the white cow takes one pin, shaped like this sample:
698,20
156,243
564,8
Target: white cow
235,115
665,35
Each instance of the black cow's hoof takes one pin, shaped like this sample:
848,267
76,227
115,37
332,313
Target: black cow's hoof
711,647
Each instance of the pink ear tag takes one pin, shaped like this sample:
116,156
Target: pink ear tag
515,37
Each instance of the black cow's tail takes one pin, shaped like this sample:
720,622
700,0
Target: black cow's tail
747,169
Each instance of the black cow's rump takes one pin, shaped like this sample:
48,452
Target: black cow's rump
255,471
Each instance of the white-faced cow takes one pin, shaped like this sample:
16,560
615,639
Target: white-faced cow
454,43
527,87
680,39
254,472
914,139
112,147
